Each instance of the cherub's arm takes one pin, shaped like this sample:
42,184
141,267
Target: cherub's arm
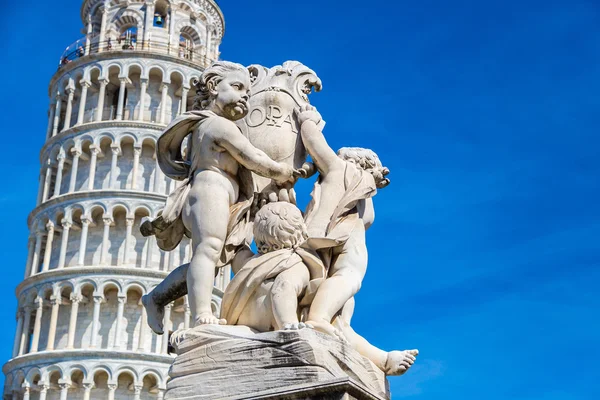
227,135
314,141
317,147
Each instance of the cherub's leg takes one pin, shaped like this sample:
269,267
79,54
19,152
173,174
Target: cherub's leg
207,219
392,363
288,286
346,277
170,289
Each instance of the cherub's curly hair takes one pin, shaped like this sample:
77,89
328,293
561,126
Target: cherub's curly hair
279,226
367,160
210,78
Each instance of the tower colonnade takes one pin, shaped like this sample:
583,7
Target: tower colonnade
81,330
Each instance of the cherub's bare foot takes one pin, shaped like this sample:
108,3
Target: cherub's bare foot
398,362
295,326
329,329
155,314
208,319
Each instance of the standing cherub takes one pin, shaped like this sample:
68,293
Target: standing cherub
216,193
337,218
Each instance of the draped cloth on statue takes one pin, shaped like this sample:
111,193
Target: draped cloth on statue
168,227
359,186
260,269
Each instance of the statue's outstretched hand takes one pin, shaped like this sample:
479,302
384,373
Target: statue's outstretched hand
307,113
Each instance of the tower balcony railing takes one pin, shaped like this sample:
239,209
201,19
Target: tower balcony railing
81,48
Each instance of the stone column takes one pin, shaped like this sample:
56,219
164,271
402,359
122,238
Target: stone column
69,111
148,23
129,234
64,241
112,387
43,390
30,252
188,252
87,390
25,332
88,42
167,326
40,189
121,299
149,251
219,279
35,263
85,226
186,312
37,326
98,299
163,103
64,390
137,392
59,174
26,391
184,94
101,96
157,177
209,29
83,100
48,179
171,23
95,150
116,151
160,395
48,251
108,222
137,152
51,115
143,90
75,300
121,102
166,262
76,153
102,36
18,333
55,301
57,114
143,327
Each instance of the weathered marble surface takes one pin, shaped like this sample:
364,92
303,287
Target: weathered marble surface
235,362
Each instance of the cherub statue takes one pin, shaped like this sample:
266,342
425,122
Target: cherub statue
212,204
338,216
264,292
267,287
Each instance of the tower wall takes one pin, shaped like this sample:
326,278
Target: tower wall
81,328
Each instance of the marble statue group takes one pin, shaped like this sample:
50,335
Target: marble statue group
237,156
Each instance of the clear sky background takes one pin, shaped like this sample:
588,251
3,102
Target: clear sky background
485,250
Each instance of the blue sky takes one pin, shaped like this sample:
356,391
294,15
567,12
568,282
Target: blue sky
485,251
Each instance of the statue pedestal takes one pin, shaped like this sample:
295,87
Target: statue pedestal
234,362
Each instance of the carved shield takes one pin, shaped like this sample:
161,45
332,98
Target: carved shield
270,124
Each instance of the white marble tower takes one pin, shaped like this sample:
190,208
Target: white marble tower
81,331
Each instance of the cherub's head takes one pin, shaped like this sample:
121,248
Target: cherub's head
224,88
279,226
367,160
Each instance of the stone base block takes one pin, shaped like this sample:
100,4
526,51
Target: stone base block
234,362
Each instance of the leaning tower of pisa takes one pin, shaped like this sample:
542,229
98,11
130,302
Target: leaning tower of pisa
81,329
